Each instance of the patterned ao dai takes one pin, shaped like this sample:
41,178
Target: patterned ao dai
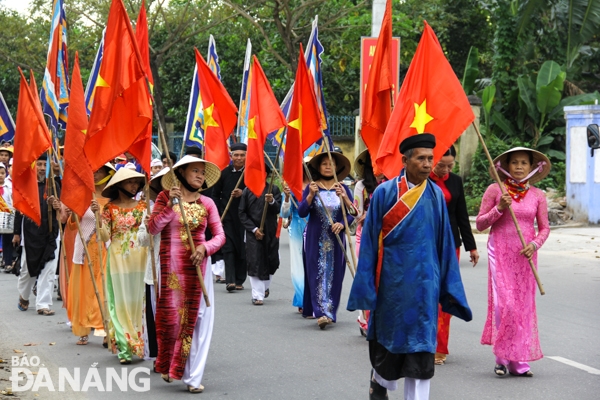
324,258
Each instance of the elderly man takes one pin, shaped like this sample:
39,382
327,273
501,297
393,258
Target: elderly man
234,251
407,266
40,248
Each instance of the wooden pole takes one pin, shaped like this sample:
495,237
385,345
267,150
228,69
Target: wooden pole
230,197
163,141
512,213
102,268
342,205
153,260
331,223
92,277
60,229
264,214
279,176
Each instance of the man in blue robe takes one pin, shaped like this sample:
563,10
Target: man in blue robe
407,265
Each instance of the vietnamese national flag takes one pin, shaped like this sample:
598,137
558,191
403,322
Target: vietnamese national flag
264,117
122,110
431,100
142,148
220,114
32,139
78,178
304,127
380,86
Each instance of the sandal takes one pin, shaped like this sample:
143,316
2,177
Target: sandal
46,312
239,287
439,361
166,378
322,322
124,361
376,391
105,342
526,374
267,293
192,389
500,370
230,287
83,340
23,304
257,302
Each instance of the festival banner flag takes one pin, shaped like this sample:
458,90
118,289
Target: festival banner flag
7,125
431,100
265,116
378,96
304,126
90,89
314,50
245,96
32,139
194,125
78,178
55,87
122,109
142,148
219,113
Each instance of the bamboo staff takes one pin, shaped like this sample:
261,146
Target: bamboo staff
100,244
60,228
154,278
512,213
352,272
264,214
231,197
343,206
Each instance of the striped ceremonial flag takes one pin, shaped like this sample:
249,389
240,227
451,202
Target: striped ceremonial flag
194,126
314,50
245,96
55,87
7,125
90,89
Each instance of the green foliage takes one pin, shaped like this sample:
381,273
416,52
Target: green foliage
471,71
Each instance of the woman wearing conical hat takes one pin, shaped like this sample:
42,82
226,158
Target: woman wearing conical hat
126,261
184,323
511,324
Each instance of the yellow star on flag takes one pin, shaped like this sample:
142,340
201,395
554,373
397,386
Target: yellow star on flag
297,123
251,132
101,82
208,117
421,117
3,128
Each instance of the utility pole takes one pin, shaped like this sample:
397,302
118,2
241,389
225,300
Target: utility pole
377,17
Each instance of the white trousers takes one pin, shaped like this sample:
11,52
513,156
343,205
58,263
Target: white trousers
259,287
414,389
194,367
45,281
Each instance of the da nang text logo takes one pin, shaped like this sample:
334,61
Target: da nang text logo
25,378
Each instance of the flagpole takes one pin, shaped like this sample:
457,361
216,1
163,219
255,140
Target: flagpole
278,175
330,222
102,268
60,228
343,206
154,279
512,213
264,215
231,197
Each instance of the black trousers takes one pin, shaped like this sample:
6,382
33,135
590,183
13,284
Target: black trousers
150,325
235,266
7,248
391,366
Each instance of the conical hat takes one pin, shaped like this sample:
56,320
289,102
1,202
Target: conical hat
537,159
122,175
342,163
212,173
359,164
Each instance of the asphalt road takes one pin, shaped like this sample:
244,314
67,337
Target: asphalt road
271,352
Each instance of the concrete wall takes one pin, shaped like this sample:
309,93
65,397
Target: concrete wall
583,170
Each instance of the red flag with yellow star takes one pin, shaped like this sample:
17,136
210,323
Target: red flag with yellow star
122,110
78,178
264,117
431,100
220,114
304,127
378,96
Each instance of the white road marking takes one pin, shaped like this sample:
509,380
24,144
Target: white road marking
576,365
